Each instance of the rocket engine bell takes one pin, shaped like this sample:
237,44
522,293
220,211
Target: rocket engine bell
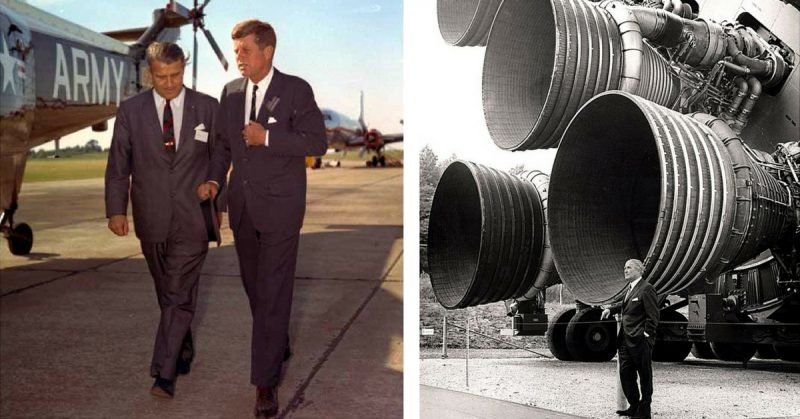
683,193
487,239
466,22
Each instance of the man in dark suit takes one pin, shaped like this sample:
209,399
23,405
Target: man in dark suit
161,143
268,122
640,315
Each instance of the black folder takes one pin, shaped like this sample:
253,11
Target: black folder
209,207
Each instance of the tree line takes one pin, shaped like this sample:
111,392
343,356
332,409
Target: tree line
91,146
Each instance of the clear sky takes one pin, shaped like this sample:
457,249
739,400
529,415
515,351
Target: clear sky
444,95
339,47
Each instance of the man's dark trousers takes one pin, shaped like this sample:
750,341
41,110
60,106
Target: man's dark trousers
636,357
267,262
175,266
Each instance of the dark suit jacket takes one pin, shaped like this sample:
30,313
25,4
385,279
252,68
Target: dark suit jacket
639,313
270,182
164,188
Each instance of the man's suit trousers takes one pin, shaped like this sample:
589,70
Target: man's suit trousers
267,264
636,359
175,266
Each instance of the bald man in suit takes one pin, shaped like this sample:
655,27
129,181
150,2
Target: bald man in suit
268,123
636,338
160,150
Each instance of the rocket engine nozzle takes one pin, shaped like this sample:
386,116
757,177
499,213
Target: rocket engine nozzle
487,237
632,179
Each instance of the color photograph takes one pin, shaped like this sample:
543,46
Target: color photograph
202,204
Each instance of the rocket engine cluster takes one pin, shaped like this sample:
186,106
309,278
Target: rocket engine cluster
658,157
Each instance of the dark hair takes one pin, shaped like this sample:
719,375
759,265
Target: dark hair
265,34
166,52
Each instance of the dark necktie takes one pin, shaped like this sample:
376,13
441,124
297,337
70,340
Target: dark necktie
253,103
168,129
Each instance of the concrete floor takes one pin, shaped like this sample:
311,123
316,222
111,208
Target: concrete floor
78,315
439,403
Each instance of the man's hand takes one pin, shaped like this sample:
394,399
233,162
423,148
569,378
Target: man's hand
207,190
118,224
254,134
606,314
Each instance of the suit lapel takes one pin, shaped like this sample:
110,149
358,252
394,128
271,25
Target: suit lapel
155,126
635,290
273,91
627,297
238,98
186,144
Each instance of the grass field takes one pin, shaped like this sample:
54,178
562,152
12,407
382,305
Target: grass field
93,165
84,166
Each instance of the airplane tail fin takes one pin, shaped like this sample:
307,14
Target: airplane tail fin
361,114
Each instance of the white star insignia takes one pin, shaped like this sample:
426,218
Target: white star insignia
9,64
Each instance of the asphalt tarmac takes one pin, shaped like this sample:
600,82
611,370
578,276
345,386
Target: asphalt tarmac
79,314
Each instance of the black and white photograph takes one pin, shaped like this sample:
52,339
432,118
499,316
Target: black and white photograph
608,208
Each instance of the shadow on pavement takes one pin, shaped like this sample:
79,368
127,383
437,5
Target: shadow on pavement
76,335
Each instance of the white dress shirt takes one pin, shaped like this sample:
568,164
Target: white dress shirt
176,104
633,284
263,85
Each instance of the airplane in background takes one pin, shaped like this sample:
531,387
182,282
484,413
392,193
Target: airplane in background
345,133
57,77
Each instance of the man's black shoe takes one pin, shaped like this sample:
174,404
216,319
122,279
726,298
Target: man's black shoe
184,366
186,355
163,388
629,412
266,402
642,414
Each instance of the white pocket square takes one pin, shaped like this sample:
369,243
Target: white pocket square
200,127
271,120
635,299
